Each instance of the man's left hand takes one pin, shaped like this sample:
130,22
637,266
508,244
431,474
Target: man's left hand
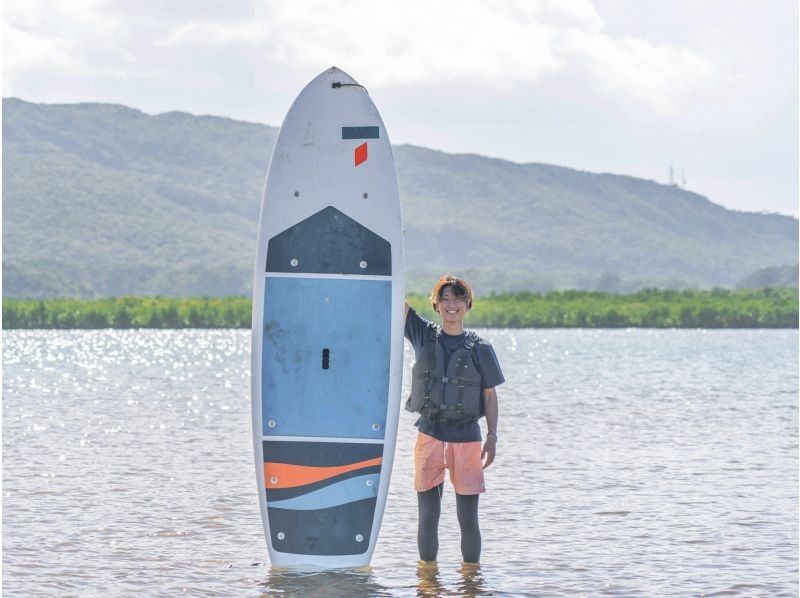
489,449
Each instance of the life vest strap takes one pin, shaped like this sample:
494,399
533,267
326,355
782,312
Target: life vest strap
456,381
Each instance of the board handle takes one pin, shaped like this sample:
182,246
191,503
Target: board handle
326,356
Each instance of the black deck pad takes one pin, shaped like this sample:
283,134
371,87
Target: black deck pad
329,531
329,242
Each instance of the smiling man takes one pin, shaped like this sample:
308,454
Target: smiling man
453,386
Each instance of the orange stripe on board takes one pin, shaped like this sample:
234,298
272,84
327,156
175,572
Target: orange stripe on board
290,476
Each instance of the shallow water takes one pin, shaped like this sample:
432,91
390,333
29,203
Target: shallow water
630,463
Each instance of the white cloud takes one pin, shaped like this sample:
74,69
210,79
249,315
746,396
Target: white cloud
657,74
383,43
420,42
24,51
200,33
64,36
390,43
574,13
416,41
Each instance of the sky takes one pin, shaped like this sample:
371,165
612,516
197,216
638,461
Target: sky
707,87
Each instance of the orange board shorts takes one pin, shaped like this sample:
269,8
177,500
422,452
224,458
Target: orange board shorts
461,459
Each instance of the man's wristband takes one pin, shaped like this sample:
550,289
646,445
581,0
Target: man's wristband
491,435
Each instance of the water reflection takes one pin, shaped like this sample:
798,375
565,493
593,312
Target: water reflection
470,581
363,582
342,582
429,583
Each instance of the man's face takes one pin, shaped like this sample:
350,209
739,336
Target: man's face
452,308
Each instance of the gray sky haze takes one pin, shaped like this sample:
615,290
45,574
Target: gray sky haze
624,86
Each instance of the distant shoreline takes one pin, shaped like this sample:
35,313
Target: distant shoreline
651,308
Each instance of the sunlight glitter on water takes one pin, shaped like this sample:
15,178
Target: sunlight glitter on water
630,463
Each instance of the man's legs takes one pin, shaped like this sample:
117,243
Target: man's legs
429,484
430,507
466,474
467,510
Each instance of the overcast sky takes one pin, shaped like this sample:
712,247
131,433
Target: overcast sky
624,86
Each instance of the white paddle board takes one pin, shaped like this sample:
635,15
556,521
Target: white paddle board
327,338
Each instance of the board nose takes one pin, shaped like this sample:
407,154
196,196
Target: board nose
336,75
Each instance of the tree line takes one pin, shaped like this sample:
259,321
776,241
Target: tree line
650,308
128,312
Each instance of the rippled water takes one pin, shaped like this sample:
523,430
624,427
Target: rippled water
630,462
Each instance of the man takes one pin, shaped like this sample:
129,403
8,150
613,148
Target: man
453,386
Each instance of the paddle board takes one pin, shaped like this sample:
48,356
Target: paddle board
327,337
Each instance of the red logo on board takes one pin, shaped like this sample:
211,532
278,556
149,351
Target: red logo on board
361,153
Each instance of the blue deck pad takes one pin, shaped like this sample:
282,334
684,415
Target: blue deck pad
340,493
350,318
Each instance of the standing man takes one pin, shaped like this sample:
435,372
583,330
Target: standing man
453,386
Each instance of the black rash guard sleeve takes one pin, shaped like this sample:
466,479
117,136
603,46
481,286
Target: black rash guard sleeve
416,329
487,364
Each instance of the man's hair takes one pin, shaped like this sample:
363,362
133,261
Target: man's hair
461,289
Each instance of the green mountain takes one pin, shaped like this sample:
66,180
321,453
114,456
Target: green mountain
780,277
102,200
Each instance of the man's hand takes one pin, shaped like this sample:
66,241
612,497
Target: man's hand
489,448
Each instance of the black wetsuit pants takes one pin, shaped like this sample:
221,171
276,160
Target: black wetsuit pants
430,507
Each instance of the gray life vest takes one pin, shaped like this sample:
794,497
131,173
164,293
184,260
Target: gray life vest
454,396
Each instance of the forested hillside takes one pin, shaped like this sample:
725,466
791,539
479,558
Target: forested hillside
104,200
